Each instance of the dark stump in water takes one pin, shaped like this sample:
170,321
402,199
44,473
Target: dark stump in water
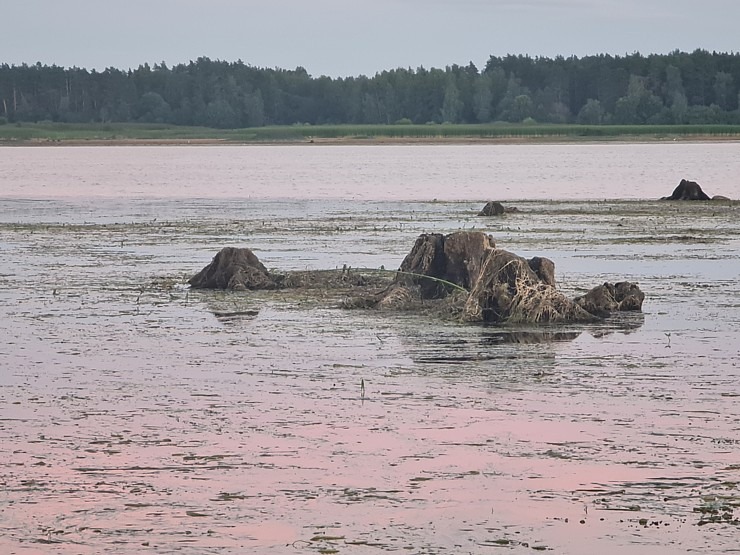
492,208
233,268
474,281
687,190
544,268
449,260
610,297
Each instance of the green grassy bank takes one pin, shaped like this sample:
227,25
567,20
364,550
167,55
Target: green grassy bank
25,133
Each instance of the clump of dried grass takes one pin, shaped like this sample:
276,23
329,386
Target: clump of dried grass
508,290
400,297
536,303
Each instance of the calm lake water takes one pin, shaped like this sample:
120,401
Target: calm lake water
136,418
419,172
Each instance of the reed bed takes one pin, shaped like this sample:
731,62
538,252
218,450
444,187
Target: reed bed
61,132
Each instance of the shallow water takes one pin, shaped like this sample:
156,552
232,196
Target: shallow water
133,418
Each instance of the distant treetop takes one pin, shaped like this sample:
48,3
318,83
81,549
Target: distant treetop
676,88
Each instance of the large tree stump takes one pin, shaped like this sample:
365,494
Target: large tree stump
493,285
455,258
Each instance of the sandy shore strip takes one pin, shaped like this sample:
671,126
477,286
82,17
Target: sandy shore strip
373,140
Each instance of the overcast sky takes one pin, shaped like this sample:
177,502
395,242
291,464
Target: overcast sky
348,38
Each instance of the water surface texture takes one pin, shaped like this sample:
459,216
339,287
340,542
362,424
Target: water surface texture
399,172
137,416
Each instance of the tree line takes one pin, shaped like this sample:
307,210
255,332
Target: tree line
678,88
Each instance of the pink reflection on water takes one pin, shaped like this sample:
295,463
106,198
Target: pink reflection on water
372,472
398,172
134,424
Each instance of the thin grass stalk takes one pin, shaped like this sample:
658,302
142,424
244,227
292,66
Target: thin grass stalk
384,271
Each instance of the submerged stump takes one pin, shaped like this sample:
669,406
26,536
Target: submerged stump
492,208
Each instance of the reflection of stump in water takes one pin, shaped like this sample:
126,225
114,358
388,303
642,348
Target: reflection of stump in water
526,337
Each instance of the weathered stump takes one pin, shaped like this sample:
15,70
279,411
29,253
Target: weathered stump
492,285
435,259
687,190
544,268
610,297
492,208
509,290
233,268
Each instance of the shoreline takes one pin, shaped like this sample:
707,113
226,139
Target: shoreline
374,141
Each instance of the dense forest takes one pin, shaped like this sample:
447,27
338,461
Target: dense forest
676,88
